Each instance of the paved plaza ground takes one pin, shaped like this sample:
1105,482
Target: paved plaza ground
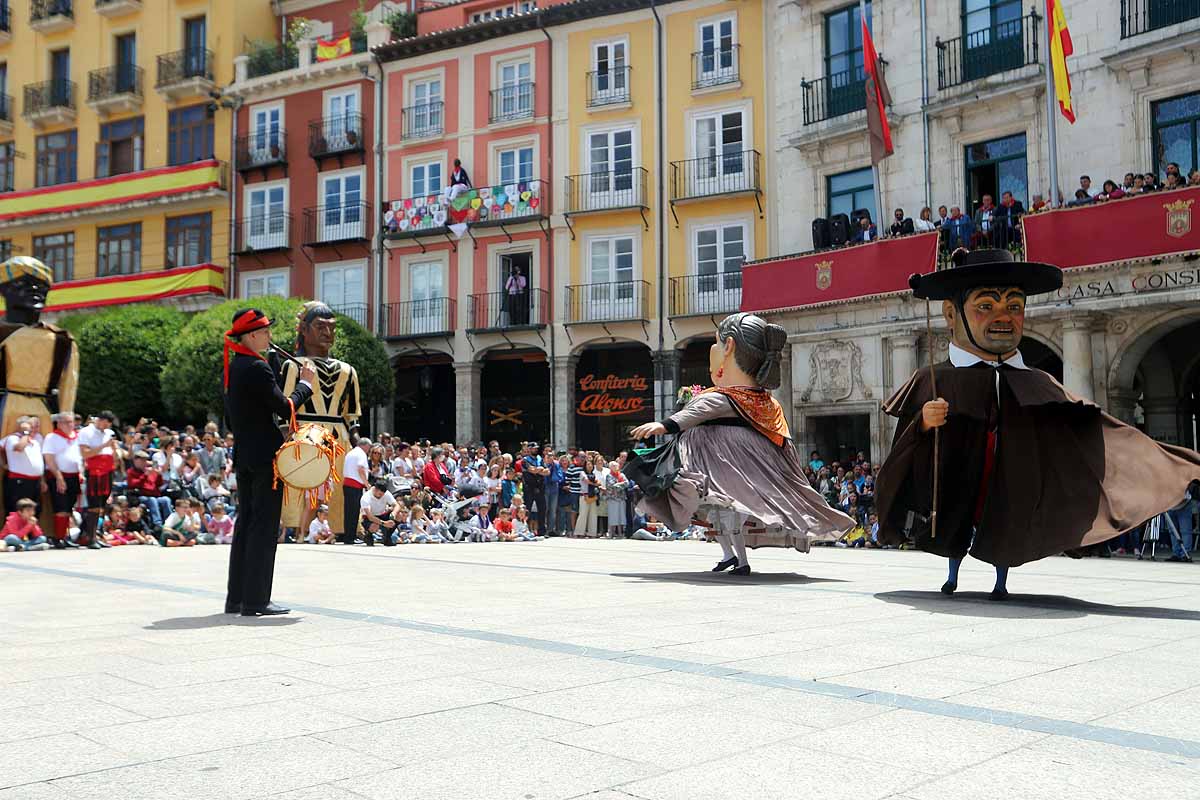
597,669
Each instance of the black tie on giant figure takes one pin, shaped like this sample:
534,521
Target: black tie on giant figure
253,401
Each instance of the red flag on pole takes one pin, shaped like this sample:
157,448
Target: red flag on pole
878,99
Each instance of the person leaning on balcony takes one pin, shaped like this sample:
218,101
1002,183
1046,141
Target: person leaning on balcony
1081,199
925,223
1194,178
867,232
1008,220
958,229
985,221
901,225
460,182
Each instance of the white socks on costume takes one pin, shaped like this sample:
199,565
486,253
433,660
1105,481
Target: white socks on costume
726,547
739,544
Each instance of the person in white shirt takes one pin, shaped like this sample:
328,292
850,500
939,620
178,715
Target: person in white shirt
26,469
377,507
64,462
318,529
355,479
98,446
168,460
924,224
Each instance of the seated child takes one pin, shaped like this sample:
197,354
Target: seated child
521,526
196,515
220,524
504,526
215,492
113,530
21,529
318,530
652,531
418,525
439,531
179,530
135,526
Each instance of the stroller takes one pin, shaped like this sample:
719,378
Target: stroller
458,512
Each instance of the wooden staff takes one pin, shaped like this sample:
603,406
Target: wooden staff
933,515
285,354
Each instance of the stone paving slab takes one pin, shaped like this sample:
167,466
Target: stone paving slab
605,670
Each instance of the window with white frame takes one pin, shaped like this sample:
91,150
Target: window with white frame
610,167
720,252
720,163
265,226
263,284
342,207
514,96
425,114
342,120
717,60
426,178
266,134
343,289
610,79
515,165
426,290
611,293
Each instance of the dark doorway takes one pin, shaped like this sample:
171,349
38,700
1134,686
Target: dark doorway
839,437
422,408
994,167
1039,356
516,292
515,398
693,363
614,392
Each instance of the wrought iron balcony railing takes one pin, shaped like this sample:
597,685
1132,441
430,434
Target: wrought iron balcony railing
269,60
359,312
619,301
333,135
413,319
693,295
333,223
262,149
5,21
497,311
423,120
6,108
722,173
50,94
261,233
1142,16
605,191
183,65
834,95
608,87
715,67
1000,48
44,9
108,82
510,103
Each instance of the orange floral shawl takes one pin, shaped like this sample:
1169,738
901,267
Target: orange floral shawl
760,409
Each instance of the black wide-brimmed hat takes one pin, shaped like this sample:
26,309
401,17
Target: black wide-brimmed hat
989,267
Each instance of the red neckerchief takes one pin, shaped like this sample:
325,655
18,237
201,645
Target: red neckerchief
760,409
70,438
246,323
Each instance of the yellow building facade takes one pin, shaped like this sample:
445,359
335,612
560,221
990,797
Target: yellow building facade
115,147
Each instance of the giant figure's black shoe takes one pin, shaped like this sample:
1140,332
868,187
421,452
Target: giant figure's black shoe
233,608
726,564
949,587
269,610
744,569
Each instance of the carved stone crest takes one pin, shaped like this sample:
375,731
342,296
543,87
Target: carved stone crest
835,369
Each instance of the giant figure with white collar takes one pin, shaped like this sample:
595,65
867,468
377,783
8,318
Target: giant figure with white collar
1025,469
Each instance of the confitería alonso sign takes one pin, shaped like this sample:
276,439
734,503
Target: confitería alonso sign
1144,282
613,395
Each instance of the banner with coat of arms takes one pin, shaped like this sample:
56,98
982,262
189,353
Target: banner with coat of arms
1146,226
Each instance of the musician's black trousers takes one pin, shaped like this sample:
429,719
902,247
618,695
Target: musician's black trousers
351,513
252,555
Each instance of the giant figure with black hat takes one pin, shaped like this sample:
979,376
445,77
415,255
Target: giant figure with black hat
997,459
253,400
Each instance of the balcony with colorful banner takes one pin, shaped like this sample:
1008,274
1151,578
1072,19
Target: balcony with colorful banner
1156,225
145,187
197,283
846,273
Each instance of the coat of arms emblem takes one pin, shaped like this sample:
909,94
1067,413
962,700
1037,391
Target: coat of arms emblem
1179,218
824,275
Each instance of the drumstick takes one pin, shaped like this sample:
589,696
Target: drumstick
285,354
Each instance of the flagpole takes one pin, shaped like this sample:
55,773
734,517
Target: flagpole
1051,115
862,17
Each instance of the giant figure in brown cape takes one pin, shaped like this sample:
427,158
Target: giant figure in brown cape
1025,469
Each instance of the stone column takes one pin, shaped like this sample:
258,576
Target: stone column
241,68
784,394
305,52
468,384
666,382
904,358
1121,404
1077,356
562,427
378,33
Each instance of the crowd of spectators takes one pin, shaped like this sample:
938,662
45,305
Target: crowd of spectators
848,485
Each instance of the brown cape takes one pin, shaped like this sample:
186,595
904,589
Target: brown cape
1066,474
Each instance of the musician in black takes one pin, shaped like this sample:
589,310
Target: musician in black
253,400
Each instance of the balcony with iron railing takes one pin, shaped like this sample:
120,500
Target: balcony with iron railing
719,174
358,44
423,121
715,67
336,223
6,114
414,319
607,191
619,301
979,54
430,214
261,149
834,95
263,60
50,102
511,103
262,232
500,311
359,312
47,16
701,295
335,136
116,8
115,89
1143,16
609,87
185,73
5,23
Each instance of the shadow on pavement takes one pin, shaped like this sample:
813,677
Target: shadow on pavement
219,620
710,578
1020,605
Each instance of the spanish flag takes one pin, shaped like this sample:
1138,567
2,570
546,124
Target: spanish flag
1060,48
328,49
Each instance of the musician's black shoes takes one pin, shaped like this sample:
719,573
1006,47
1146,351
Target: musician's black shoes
269,610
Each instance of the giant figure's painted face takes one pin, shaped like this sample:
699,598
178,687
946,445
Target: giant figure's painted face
996,317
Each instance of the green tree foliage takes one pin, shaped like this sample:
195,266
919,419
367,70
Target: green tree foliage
122,351
192,379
